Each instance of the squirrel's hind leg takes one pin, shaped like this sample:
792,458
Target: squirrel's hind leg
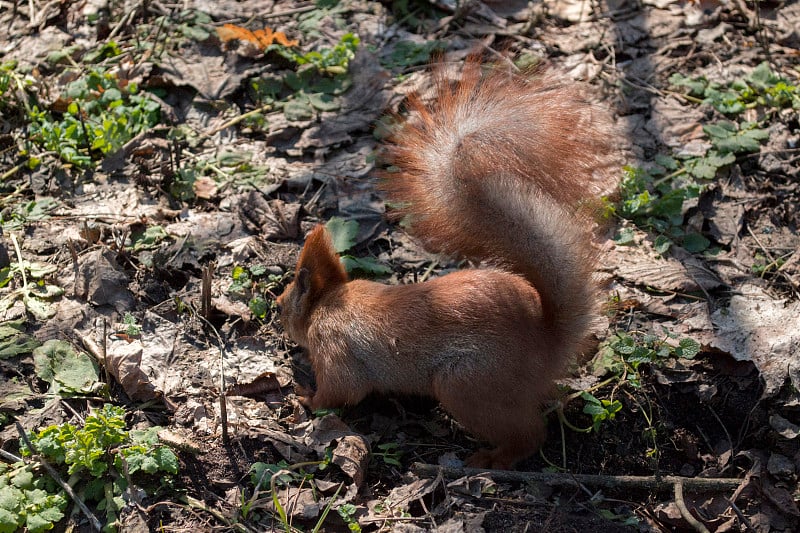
514,425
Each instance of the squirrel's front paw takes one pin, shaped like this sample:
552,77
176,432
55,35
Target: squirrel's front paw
305,396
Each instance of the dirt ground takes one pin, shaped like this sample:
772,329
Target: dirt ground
158,251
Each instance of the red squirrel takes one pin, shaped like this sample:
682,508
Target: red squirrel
492,169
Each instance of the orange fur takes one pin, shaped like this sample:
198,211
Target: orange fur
492,170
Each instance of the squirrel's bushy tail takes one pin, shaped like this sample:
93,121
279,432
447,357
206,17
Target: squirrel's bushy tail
495,168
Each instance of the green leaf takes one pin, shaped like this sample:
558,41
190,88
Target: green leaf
145,437
409,53
728,139
9,522
696,86
687,348
10,498
43,520
298,109
13,341
167,460
149,238
23,479
67,371
694,243
662,244
343,233
323,102
625,236
259,307
366,265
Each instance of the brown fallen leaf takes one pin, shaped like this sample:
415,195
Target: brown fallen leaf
261,38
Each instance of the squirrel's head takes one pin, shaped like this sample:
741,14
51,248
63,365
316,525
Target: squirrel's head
319,271
294,307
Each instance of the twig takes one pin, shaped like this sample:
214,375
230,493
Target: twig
223,406
740,514
52,471
566,480
694,522
194,503
232,122
124,21
10,456
294,11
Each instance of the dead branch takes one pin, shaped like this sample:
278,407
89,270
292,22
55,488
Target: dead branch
567,480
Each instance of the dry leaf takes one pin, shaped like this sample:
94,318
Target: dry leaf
260,38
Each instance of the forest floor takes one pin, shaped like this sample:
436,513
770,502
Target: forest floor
160,163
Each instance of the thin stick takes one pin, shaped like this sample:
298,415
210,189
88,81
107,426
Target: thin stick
232,122
567,480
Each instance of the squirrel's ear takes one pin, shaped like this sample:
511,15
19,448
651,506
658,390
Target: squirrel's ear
303,281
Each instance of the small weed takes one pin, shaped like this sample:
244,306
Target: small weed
762,87
101,113
132,329
283,474
227,166
623,353
389,454
313,87
27,500
14,341
347,512
86,456
328,60
621,356
600,410
17,215
653,198
254,285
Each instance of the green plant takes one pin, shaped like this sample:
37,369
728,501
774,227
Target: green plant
389,453
226,166
653,198
623,352
762,87
621,356
132,329
69,372
28,500
347,511
409,53
87,454
102,113
315,84
17,214
329,60
14,341
283,474
600,410
254,285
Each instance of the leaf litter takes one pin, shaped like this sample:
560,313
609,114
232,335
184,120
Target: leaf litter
133,235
